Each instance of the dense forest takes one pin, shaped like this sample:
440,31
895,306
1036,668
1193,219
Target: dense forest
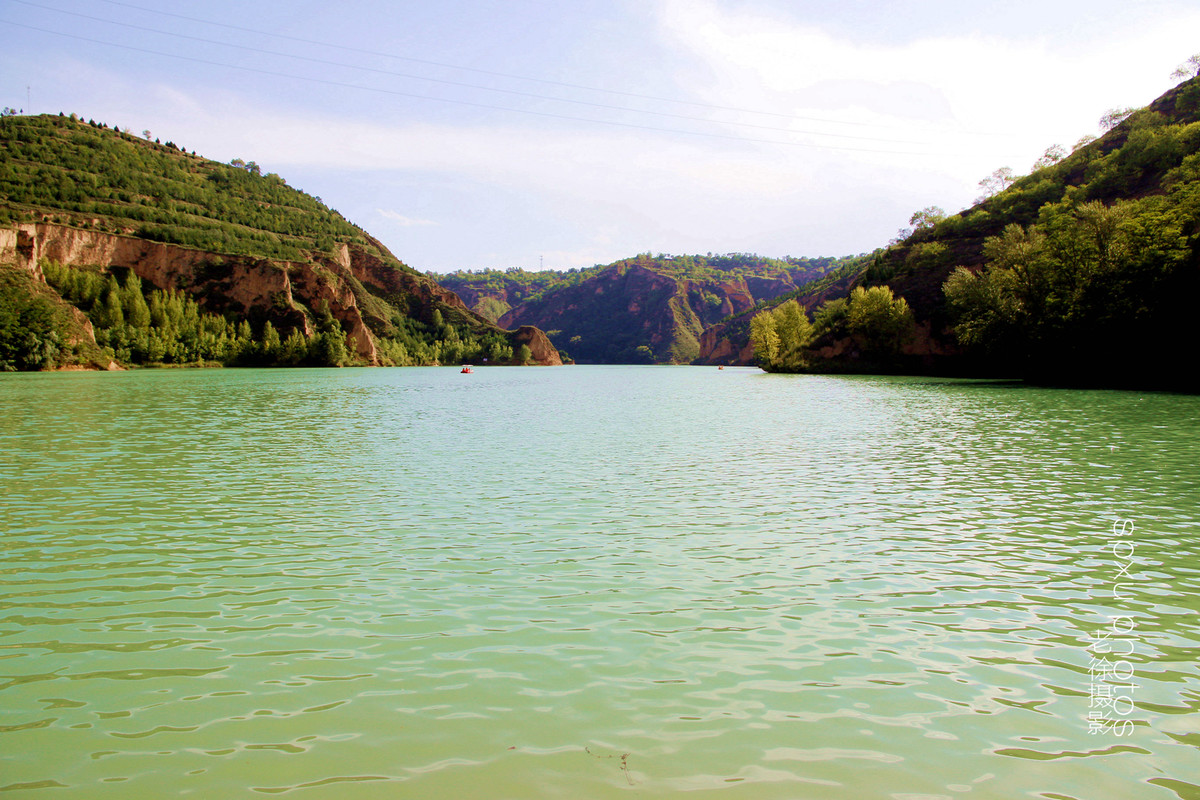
82,176
1080,272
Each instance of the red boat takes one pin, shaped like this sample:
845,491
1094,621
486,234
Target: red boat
466,369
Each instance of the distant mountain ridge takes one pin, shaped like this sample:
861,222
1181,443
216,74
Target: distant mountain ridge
646,309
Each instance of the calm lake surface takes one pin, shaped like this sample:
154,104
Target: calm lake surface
594,582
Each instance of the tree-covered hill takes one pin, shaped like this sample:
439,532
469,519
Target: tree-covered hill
493,292
645,309
1081,272
85,174
235,266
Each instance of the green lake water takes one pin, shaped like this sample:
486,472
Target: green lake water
595,582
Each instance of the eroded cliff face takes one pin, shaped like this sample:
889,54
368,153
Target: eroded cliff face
540,348
717,347
489,304
280,291
608,316
729,342
219,283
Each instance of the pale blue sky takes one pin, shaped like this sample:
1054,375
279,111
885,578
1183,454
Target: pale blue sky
480,133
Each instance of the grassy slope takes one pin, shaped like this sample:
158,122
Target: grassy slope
85,175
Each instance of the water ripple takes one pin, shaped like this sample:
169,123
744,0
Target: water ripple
581,582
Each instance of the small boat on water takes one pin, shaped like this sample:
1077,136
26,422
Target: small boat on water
466,369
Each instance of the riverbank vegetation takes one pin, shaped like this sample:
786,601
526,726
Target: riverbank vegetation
1098,285
37,330
137,325
877,323
1082,272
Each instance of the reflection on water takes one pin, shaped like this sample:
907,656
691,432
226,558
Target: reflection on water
581,582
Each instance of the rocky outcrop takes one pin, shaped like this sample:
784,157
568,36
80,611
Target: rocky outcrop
487,303
640,309
540,348
374,271
284,292
717,347
239,284
608,316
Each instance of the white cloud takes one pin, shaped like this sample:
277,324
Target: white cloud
869,133
403,221
971,94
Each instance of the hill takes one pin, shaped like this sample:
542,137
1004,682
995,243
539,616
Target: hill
1082,272
728,341
492,293
646,309
120,250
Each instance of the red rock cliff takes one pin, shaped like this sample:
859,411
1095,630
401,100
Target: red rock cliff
239,284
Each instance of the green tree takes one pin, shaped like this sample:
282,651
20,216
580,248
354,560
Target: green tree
995,183
795,334
328,346
832,318
108,313
986,309
294,350
765,338
498,352
927,218
33,331
133,303
328,349
524,354
1074,292
271,347
781,336
881,321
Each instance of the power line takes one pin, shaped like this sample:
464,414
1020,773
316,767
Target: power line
547,82
341,84
461,84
